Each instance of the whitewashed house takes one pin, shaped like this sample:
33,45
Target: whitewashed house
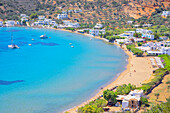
41,17
64,12
1,23
70,11
148,36
23,15
166,13
143,31
10,23
77,10
98,26
129,22
130,33
165,50
132,100
163,37
47,21
136,26
24,19
70,24
147,25
62,16
94,32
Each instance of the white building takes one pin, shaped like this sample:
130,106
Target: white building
94,32
136,26
1,23
62,16
130,33
125,41
41,17
163,37
98,26
77,10
70,24
64,12
147,25
47,21
10,23
24,19
130,100
23,15
148,36
143,31
129,22
166,13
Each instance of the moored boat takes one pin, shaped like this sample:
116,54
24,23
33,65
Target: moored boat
13,46
43,37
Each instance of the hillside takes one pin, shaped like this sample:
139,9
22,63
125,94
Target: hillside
93,11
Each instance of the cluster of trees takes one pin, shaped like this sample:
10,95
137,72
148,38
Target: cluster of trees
70,28
93,107
112,38
136,51
125,89
34,16
110,96
137,35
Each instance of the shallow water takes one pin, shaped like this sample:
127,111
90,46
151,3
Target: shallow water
50,76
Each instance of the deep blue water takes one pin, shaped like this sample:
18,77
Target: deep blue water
50,76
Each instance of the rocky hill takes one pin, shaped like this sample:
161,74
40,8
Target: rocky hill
93,11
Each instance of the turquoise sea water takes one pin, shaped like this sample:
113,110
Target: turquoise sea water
50,76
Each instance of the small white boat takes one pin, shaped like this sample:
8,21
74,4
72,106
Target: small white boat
13,46
32,39
43,37
72,46
30,44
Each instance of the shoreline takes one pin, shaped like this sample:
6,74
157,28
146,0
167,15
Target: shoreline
109,86
117,80
121,78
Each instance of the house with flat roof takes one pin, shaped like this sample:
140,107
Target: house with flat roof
94,32
10,23
41,17
132,100
98,26
129,22
163,37
148,36
165,13
147,25
1,23
23,15
143,31
62,16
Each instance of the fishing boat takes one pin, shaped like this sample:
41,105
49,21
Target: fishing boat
13,46
43,37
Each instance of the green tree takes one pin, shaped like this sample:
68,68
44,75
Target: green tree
110,96
156,36
157,96
144,101
33,16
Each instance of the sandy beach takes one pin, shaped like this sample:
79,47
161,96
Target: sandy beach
139,69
